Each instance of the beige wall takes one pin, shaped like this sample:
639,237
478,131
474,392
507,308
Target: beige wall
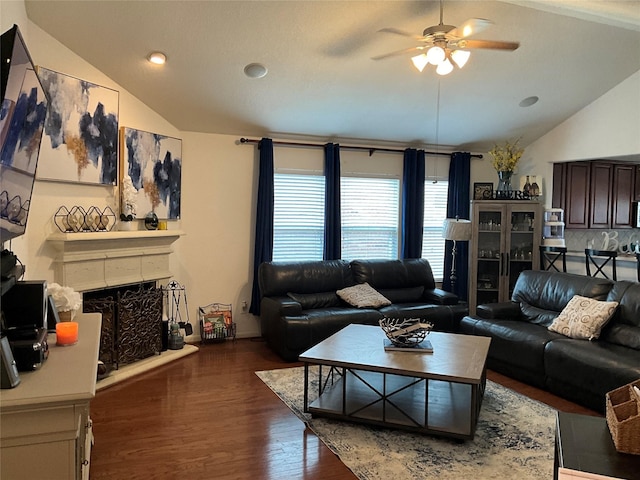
214,259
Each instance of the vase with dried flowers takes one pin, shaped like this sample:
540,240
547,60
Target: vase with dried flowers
505,160
129,196
66,300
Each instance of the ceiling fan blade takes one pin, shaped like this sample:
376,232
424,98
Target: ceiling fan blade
401,32
470,27
489,44
404,51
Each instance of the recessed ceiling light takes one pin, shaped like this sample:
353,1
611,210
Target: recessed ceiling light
157,58
255,70
527,102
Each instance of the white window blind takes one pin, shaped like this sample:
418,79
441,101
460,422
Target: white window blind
435,211
370,217
298,219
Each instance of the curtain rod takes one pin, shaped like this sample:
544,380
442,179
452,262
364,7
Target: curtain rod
371,150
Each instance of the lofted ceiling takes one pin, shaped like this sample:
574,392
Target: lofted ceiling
322,82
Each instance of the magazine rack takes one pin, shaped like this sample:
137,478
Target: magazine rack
216,323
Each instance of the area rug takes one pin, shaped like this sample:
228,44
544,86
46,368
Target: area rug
514,439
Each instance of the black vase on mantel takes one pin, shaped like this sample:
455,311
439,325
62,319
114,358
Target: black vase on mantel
151,221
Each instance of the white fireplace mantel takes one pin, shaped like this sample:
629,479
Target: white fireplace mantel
97,260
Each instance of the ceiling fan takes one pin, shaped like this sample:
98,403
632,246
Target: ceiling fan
445,46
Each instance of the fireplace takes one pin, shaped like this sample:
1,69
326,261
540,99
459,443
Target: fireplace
131,322
117,273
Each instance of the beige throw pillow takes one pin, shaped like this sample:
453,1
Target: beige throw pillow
583,318
363,295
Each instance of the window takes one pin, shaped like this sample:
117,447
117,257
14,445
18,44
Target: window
370,217
370,209
298,219
435,211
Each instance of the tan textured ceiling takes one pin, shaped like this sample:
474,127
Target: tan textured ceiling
321,80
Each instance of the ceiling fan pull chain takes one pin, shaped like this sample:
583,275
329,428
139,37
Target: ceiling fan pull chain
435,167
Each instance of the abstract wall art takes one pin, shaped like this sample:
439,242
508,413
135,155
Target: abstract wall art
80,142
154,163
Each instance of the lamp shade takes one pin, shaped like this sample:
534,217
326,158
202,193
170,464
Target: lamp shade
445,67
456,229
435,55
460,57
420,61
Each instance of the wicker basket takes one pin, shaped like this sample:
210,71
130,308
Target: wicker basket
623,418
405,332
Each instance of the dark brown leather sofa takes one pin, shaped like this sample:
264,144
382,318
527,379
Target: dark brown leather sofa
299,305
580,370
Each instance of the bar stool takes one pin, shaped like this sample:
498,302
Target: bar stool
549,256
600,259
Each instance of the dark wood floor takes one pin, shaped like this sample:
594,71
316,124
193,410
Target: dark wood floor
208,416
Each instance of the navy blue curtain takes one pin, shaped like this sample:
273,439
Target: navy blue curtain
263,249
332,219
412,203
458,204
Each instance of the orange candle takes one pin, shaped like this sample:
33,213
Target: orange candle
66,333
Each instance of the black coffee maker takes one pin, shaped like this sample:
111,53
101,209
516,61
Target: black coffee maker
24,323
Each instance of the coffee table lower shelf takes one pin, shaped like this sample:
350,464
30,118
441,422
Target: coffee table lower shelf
422,405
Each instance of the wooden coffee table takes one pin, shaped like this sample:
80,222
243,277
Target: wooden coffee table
437,393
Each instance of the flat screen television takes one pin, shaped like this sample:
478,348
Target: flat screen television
23,109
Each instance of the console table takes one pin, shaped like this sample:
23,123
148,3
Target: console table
585,450
45,430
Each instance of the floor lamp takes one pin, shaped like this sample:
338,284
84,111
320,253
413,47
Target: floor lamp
458,231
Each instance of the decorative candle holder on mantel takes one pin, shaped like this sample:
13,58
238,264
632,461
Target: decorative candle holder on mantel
77,219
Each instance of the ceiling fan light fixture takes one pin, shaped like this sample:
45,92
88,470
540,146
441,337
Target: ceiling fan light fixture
445,68
435,55
420,61
460,57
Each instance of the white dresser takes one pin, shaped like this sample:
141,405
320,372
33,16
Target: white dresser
45,430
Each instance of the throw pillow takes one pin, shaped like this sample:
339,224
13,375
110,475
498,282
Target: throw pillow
363,295
583,318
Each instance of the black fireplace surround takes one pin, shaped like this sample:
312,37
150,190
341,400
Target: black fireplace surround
131,322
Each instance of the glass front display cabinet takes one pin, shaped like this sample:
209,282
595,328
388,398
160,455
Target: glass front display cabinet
505,241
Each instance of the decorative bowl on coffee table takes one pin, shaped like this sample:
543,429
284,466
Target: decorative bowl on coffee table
406,333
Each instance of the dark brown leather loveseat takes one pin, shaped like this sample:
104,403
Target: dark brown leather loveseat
299,305
580,370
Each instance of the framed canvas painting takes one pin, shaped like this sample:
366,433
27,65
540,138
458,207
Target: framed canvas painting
80,142
482,191
154,164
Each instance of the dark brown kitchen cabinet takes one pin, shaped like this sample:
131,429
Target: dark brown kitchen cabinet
578,177
596,194
624,180
600,195
559,193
